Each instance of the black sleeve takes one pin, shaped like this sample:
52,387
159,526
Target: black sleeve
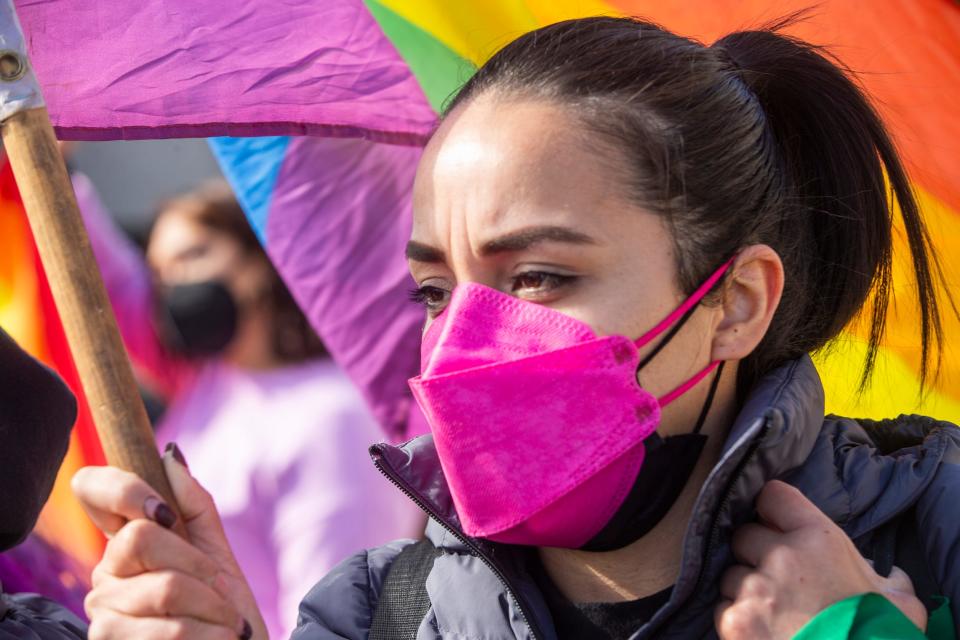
31,617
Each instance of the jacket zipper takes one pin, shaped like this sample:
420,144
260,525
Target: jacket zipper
470,544
713,539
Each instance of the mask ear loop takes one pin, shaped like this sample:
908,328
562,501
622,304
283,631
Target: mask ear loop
709,401
688,308
655,440
666,338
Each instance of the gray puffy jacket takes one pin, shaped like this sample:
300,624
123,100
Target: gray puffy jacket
858,472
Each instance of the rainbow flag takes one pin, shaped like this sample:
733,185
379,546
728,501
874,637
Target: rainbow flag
378,70
28,314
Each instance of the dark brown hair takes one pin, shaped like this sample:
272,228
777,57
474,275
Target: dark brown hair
758,138
214,206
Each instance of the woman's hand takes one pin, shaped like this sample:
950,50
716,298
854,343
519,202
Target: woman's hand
794,565
151,583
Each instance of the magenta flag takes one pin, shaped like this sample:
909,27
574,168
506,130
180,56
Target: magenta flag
134,69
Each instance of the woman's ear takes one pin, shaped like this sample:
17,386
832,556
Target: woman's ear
750,298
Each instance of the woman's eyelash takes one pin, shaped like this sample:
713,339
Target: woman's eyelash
417,295
425,295
428,295
542,277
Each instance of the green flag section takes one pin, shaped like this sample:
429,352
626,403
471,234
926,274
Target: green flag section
870,616
436,67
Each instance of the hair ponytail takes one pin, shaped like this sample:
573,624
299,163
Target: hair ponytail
760,138
835,154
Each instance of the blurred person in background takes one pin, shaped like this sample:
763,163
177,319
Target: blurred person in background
268,422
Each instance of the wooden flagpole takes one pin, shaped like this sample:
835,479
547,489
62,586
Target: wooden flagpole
75,282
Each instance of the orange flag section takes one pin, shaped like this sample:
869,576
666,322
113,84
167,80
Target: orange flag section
19,313
28,314
906,54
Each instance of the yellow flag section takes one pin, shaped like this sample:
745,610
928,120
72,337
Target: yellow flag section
476,30
894,388
907,56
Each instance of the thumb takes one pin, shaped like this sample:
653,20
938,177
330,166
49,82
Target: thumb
784,507
200,516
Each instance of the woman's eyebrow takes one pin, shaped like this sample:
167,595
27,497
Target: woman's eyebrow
525,238
420,252
515,241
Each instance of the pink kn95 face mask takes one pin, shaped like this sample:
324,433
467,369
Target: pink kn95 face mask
539,423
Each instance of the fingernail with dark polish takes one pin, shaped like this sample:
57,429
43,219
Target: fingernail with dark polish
156,510
247,632
174,450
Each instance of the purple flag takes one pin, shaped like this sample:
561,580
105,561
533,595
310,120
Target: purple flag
181,68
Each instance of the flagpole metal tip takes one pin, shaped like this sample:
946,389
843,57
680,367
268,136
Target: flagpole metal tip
19,90
13,66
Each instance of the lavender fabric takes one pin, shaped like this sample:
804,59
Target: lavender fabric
283,451
180,68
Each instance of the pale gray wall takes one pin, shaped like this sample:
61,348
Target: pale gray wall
132,176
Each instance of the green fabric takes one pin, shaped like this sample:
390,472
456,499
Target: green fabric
439,70
940,626
870,616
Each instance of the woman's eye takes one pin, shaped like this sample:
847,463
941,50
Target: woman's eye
538,282
433,298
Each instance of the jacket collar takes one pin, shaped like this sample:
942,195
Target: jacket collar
773,433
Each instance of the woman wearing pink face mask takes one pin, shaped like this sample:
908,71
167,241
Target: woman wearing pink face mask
627,244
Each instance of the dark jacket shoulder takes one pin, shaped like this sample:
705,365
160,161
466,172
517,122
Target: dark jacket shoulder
936,519
32,617
867,474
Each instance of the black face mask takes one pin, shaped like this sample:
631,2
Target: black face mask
198,319
667,465
37,411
